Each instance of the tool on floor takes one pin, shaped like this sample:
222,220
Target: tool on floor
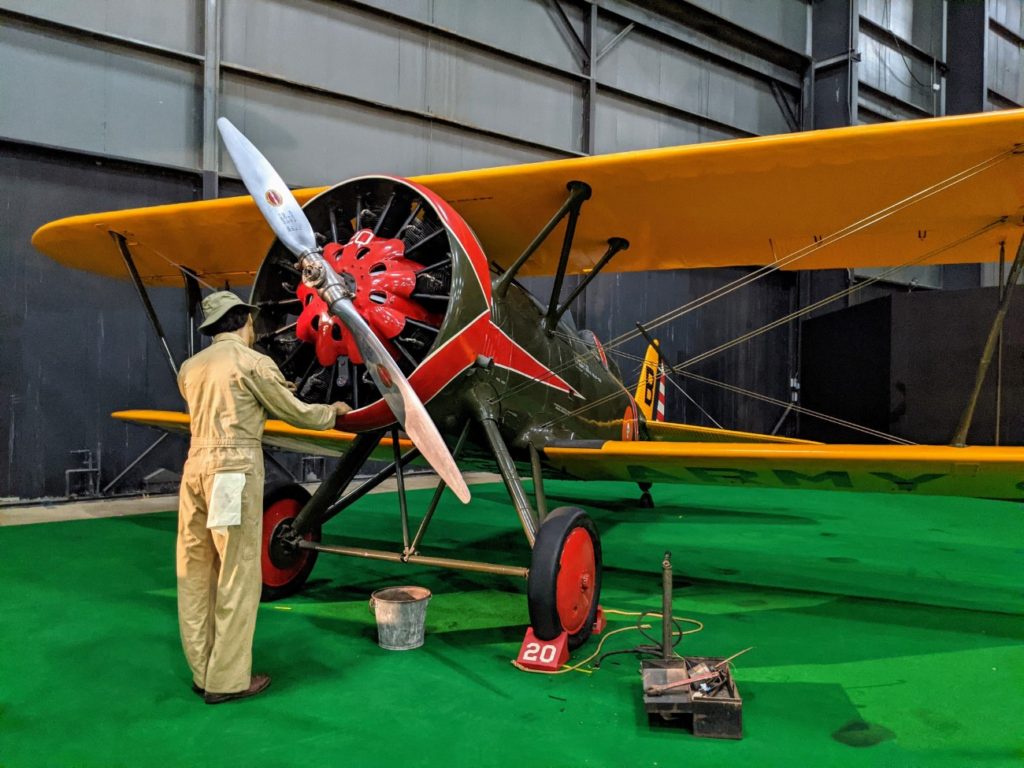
701,687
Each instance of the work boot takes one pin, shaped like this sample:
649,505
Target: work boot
257,684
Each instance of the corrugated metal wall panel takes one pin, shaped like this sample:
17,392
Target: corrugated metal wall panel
782,21
328,45
176,24
1005,68
623,124
321,141
657,69
530,28
95,98
1009,13
466,84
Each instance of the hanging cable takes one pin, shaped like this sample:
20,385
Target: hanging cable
789,318
784,261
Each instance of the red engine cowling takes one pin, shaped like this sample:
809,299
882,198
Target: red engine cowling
421,282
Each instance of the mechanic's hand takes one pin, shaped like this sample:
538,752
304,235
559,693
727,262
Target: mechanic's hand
290,386
340,409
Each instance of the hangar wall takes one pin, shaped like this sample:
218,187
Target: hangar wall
108,104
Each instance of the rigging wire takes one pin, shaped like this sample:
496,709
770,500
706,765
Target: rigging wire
838,295
800,253
793,256
686,394
176,265
680,368
767,399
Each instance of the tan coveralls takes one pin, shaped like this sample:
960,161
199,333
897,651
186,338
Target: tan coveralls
230,390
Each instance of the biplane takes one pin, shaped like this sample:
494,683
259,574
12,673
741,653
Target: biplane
401,296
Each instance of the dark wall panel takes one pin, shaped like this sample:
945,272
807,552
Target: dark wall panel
905,364
845,372
75,346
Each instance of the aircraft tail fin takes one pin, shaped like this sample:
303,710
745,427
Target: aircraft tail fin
647,387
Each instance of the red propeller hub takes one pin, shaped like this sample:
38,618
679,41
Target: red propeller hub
384,281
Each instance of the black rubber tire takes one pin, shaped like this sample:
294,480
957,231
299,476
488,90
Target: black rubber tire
272,495
542,584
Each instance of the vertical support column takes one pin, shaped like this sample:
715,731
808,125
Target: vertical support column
590,70
211,96
967,25
835,37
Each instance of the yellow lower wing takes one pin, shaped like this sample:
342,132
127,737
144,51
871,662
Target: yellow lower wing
979,472
276,434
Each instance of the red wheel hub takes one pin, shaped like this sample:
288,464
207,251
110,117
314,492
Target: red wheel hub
384,281
577,579
277,514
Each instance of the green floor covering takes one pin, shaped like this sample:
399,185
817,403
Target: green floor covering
91,673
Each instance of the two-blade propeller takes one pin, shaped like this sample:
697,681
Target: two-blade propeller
286,217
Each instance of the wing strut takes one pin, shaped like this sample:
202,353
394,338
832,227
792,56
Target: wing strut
960,438
140,288
154,320
615,244
579,193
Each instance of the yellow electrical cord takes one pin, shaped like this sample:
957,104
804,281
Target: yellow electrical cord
578,666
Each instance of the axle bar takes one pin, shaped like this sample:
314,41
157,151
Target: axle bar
398,557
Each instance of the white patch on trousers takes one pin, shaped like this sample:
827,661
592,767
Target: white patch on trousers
225,507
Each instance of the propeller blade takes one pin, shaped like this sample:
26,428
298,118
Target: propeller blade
286,217
276,202
401,398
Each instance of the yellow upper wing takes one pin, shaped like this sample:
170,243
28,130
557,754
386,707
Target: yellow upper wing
742,202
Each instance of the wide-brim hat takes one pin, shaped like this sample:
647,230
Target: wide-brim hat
218,304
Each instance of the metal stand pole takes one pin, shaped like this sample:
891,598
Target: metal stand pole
960,439
666,607
132,466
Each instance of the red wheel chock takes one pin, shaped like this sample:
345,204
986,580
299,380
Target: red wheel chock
543,655
600,622
550,655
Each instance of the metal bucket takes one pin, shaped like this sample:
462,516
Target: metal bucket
401,613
